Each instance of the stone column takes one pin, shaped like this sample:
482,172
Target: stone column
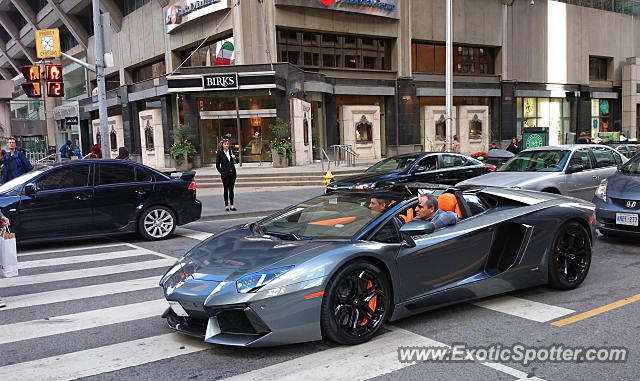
630,99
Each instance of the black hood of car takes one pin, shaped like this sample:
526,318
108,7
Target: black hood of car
624,186
240,251
365,178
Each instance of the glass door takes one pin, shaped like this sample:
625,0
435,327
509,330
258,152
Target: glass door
213,131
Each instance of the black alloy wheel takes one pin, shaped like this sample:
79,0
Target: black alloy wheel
355,303
571,257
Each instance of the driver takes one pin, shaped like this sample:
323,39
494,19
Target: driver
427,210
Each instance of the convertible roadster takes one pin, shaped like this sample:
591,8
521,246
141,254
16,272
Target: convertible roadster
339,266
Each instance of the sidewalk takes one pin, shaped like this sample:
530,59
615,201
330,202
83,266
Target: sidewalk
253,202
267,168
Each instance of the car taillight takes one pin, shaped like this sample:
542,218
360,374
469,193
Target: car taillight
192,186
492,167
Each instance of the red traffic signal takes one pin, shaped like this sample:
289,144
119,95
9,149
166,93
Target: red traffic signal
32,89
30,73
54,73
55,89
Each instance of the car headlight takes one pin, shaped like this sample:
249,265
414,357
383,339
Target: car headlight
365,186
601,190
253,282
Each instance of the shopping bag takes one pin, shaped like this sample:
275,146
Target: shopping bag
8,254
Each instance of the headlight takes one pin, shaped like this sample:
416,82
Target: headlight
253,282
365,186
601,190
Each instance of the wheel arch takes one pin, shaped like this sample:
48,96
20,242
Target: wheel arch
584,224
145,208
551,189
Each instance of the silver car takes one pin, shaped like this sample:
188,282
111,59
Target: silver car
571,170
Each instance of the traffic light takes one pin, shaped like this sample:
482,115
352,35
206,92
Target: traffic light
55,89
31,75
54,73
55,86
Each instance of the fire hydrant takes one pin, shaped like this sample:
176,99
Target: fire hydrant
327,178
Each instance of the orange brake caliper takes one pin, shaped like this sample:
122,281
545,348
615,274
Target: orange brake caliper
372,304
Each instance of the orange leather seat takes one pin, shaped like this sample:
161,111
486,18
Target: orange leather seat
449,203
407,217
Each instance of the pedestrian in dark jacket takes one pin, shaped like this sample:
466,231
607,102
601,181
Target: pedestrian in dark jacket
66,151
514,147
123,154
15,163
225,164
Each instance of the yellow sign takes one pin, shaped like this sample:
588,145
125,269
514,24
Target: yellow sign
48,43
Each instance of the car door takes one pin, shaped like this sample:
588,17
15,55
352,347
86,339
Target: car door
453,169
119,197
61,205
580,184
425,170
606,164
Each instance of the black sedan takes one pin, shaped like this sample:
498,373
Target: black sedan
617,200
424,167
87,198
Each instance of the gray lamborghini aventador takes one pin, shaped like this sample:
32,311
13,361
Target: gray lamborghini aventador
335,267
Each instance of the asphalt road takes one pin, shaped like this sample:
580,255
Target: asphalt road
90,309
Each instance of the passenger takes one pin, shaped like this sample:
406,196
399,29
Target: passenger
427,210
378,205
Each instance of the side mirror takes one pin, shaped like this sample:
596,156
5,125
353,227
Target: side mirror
414,228
30,189
574,168
419,168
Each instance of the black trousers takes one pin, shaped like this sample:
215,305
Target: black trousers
228,181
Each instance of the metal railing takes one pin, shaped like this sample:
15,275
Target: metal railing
339,154
39,157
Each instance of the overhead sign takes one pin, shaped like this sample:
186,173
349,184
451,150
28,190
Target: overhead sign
71,120
384,8
48,43
184,11
220,81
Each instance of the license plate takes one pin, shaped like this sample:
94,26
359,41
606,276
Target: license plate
177,308
630,219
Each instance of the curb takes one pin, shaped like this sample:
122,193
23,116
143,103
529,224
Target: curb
234,216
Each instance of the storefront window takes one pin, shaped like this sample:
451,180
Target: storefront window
475,127
364,130
148,136
601,119
554,114
441,128
331,50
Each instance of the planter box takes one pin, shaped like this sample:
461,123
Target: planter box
278,161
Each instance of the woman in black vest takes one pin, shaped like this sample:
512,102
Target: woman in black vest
225,164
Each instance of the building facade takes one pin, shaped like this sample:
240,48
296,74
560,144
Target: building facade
364,73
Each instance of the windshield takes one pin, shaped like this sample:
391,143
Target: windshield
14,183
334,216
392,164
632,166
536,161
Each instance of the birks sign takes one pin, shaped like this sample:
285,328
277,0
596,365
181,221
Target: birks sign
384,8
220,81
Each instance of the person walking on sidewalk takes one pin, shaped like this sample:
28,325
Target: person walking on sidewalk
225,164
5,222
15,163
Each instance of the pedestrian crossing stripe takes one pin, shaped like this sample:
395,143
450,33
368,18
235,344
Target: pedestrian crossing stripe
82,258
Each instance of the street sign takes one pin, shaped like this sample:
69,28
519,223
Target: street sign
71,120
48,43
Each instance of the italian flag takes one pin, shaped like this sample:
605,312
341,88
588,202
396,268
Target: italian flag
224,55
